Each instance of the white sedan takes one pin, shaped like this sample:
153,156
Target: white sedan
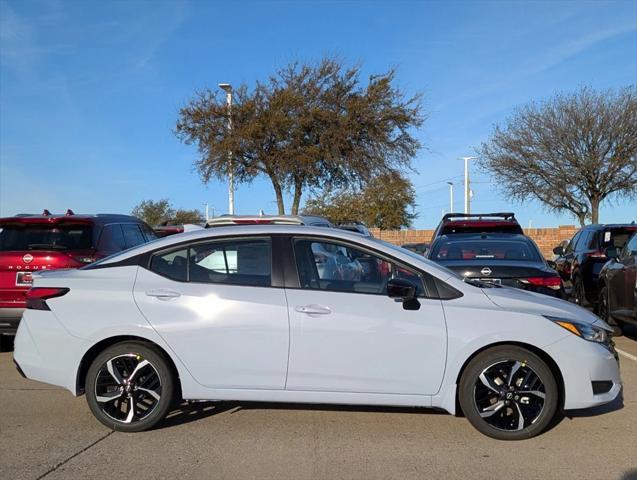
245,313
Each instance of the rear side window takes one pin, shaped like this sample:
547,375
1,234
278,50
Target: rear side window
232,262
132,235
111,239
148,232
173,265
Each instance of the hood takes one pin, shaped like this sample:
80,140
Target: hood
538,304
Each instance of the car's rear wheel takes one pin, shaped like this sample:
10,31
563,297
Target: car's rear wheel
130,386
508,393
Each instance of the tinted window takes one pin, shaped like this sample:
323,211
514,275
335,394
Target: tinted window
46,237
617,237
574,240
173,265
132,235
235,262
582,241
148,232
111,239
480,250
342,268
631,246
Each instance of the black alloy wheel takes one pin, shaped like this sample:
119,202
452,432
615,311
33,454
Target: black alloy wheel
508,393
130,387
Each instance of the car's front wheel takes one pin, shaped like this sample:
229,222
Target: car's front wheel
508,393
130,386
603,310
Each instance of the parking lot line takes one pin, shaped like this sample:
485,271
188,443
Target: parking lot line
627,355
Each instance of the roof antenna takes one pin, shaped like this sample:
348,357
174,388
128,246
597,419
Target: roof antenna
46,212
69,212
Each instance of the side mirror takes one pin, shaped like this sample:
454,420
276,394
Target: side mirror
611,252
559,250
405,291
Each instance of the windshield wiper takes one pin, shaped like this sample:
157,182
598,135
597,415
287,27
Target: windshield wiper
46,246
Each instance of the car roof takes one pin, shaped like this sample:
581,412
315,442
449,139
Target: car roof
233,220
604,226
95,219
268,229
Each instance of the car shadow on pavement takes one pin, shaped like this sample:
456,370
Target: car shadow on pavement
187,412
630,475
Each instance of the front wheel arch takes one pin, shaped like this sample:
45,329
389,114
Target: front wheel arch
538,351
96,349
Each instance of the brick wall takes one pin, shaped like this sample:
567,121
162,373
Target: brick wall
546,238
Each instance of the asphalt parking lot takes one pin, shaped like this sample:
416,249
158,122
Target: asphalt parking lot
47,433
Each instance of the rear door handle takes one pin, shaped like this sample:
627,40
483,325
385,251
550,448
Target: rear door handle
313,309
163,294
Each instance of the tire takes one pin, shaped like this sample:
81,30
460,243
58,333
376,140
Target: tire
532,379
604,312
579,292
110,391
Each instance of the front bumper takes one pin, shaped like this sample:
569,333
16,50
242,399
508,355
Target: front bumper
9,320
584,364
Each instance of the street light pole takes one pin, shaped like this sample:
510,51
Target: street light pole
467,206
226,87
450,196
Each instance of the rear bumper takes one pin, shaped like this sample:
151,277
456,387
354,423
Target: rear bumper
9,320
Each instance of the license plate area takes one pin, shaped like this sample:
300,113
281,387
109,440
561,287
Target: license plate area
494,281
23,279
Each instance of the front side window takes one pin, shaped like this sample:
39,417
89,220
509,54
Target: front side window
331,266
232,262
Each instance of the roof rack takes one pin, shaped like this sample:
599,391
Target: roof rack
225,220
479,216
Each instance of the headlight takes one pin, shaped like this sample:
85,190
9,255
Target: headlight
592,333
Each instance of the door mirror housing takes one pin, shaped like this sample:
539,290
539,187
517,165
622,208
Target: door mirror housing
559,250
405,291
611,252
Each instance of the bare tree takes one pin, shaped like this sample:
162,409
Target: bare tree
306,127
570,153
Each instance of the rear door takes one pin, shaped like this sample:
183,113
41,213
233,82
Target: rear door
214,303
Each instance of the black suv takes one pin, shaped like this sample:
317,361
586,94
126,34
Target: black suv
580,263
618,285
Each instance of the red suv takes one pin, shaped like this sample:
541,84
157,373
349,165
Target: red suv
477,223
32,243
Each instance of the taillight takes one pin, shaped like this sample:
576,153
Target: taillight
595,255
554,283
37,296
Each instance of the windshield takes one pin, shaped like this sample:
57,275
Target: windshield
481,250
45,237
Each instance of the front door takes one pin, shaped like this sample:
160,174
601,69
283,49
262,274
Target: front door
214,305
346,335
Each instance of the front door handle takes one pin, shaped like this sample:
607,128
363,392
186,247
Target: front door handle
313,309
163,294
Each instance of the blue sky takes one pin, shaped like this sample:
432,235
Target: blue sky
89,91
